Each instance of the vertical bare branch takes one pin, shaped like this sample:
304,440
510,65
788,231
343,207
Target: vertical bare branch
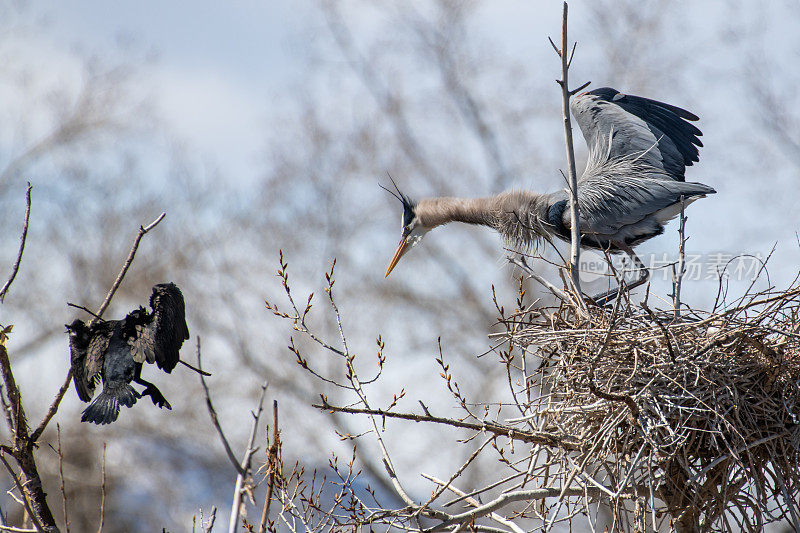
15,268
61,478
244,467
679,270
575,234
273,462
102,492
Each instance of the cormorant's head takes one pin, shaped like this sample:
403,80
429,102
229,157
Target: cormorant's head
136,317
413,230
78,330
160,290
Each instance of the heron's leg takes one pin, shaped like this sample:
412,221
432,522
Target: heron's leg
644,274
150,389
605,297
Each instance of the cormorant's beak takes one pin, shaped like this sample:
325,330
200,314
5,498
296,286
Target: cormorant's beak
402,248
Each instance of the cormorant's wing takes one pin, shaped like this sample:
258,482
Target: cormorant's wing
617,125
88,373
79,338
168,324
140,335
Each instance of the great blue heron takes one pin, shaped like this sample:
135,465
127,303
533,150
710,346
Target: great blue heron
116,350
632,185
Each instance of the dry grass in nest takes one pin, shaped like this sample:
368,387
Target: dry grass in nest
701,413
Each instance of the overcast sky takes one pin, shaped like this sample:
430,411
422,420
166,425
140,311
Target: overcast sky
221,73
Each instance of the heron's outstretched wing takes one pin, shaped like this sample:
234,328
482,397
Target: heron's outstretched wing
617,125
632,206
168,325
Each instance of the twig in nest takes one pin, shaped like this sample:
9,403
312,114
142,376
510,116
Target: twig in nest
521,263
663,329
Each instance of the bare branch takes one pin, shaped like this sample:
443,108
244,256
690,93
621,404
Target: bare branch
214,418
22,239
51,411
142,231
24,494
575,234
245,465
199,371
273,463
548,439
679,270
208,526
554,48
61,478
579,89
522,495
520,262
572,54
102,493
17,529
83,308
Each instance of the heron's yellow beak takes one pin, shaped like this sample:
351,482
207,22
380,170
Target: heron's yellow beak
402,248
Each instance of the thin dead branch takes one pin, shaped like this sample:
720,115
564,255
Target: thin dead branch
543,438
64,505
679,270
273,466
244,467
22,239
212,412
128,261
102,492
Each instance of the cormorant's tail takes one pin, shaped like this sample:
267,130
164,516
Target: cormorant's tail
105,408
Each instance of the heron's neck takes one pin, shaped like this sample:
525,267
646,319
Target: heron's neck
516,215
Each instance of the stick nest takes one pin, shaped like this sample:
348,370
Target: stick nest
701,413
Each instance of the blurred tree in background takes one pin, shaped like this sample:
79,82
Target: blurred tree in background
423,91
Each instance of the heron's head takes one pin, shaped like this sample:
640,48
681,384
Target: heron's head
413,230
